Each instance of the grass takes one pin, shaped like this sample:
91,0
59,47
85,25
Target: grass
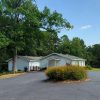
95,69
9,75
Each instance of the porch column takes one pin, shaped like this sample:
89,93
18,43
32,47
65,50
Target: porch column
29,68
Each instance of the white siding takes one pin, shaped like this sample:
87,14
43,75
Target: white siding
45,62
20,64
62,61
74,63
83,63
10,65
80,63
33,64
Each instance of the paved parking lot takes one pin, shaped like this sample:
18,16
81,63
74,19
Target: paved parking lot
31,86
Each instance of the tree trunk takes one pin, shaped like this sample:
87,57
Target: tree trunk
14,61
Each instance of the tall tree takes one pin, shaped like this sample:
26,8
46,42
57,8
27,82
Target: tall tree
23,22
94,59
15,13
64,45
78,47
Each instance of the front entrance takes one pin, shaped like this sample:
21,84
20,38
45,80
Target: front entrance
34,68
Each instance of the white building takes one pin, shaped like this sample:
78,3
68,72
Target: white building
54,59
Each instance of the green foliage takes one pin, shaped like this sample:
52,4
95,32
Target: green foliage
66,73
53,21
4,41
78,47
22,23
88,67
9,72
94,57
64,45
29,31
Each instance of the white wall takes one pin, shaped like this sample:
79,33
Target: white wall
80,63
63,61
43,63
34,64
20,64
83,63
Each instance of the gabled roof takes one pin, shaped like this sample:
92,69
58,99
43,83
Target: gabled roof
31,58
28,58
66,56
71,57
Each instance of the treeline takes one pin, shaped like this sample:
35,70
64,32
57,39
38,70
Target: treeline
47,43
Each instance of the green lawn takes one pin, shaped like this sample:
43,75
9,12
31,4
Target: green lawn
95,69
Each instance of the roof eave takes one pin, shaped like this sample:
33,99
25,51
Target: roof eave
79,59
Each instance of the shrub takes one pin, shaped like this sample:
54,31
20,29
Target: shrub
66,73
88,67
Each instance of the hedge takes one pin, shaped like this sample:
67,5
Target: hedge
66,73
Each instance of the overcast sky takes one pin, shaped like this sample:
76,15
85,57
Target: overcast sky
83,14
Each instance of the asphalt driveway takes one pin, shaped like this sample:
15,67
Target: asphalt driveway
31,86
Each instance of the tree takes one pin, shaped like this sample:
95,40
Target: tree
15,14
48,42
22,22
94,59
53,22
4,41
78,47
64,45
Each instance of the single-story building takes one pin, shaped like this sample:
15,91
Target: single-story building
54,59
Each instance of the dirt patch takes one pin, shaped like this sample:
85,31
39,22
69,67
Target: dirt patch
73,81
67,81
10,75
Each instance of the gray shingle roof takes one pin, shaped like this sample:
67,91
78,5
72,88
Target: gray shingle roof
66,56
71,57
32,58
29,58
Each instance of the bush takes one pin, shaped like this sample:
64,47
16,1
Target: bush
88,67
66,73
